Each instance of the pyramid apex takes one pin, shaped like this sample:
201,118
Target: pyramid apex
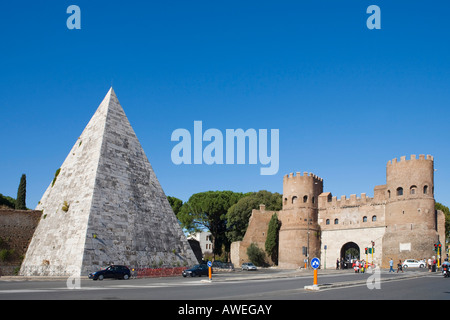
111,92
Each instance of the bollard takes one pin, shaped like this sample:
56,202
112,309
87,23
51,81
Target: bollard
315,277
315,264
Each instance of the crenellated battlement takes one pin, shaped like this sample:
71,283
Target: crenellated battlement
412,158
300,175
326,200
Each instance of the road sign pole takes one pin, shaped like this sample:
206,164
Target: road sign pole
315,264
209,264
315,278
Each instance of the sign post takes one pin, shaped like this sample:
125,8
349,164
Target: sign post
315,264
209,269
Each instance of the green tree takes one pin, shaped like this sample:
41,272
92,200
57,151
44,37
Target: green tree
7,201
272,238
446,210
22,194
175,203
207,210
256,255
239,214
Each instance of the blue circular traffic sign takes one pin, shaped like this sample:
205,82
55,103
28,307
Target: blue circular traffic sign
209,264
315,263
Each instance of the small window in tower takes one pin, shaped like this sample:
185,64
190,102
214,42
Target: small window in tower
294,199
399,191
305,199
336,221
425,189
328,221
412,190
313,200
285,200
364,219
389,193
374,218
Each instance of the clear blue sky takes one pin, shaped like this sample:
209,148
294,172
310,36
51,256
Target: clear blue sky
345,99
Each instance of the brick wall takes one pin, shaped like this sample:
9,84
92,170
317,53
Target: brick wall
16,230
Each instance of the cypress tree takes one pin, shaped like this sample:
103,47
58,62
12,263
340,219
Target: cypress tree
272,238
22,194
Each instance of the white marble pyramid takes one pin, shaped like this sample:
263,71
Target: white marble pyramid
105,206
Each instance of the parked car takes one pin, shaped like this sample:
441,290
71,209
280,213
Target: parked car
114,272
248,266
412,263
197,270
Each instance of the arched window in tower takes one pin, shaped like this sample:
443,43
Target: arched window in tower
425,189
364,219
389,193
305,199
413,189
374,218
294,199
399,191
327,221
336,221
285,200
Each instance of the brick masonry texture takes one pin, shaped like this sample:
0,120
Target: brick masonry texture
400,218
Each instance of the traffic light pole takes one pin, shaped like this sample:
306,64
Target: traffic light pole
372,254
438,256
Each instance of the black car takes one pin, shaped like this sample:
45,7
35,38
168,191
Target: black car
115,272
197,270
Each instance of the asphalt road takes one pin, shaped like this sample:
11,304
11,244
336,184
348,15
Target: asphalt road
239,286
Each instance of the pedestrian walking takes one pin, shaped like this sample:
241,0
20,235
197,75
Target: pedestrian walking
399,266
391,265
337,264
429,264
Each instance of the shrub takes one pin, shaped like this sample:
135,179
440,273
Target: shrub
56,176
65,206
256,255
5,254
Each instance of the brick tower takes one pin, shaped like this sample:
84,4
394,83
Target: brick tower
410,219
299,219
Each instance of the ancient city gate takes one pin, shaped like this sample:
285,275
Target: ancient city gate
350,241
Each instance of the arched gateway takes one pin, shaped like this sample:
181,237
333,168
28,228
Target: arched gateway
350,251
